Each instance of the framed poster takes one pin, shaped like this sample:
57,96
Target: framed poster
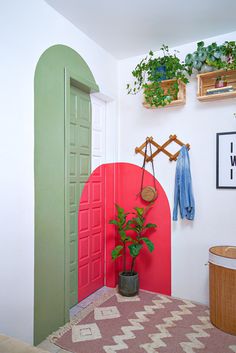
226,160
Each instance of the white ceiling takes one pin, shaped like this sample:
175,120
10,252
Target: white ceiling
132,27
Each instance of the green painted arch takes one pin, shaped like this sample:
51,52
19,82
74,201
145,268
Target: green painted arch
64,56
57,66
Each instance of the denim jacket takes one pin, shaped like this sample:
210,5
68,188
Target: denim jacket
183,195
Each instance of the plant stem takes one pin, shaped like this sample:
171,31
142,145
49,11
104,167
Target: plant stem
124,258
132,264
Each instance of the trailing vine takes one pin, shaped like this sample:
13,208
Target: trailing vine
152,70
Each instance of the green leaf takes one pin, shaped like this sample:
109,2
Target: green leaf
114,221
200,44
197,64
202,55
189,59
150,225
116,252
120,211
135,249
217,54
122,234
138,221
149,244
136,229
128,239
139,210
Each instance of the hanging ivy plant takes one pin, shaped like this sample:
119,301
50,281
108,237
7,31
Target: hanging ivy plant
152,70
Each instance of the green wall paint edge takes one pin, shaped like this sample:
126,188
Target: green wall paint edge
50,308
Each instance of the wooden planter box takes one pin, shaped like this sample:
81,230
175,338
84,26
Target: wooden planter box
207,81
181,99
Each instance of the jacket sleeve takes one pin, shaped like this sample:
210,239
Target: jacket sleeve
183,194
177,190
188,202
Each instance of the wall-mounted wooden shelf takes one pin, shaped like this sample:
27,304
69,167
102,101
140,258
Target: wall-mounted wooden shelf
181,99
207,81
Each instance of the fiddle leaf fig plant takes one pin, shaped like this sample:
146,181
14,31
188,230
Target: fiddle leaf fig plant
122,226
135,225
139,227
153,69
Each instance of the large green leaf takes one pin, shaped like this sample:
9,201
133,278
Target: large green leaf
121,214
200,44
138,221
150,225
139,210
122,234
135,249
149,243
116,252
189,59
119,209
114,221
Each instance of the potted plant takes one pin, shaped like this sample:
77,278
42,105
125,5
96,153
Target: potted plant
220,82
212,57
152,70
128,284
205,58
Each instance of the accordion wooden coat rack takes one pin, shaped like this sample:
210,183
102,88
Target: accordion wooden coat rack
161,148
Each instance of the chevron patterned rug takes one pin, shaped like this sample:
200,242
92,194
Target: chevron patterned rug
147,323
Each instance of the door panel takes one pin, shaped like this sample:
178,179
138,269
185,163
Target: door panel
79,155
91,215
91,237
98,132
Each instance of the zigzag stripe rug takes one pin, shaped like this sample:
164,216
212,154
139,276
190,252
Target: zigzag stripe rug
147,323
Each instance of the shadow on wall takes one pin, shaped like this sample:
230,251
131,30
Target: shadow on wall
120,183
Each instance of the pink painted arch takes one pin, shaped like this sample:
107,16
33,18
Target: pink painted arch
121,184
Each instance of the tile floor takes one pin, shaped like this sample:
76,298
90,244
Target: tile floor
50,347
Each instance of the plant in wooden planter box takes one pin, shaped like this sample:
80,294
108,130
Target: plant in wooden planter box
133,243
212,57
220,82
152,71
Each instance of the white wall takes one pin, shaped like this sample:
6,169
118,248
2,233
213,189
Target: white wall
195,123
28,28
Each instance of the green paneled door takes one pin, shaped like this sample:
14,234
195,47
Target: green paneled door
78,150
62,164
